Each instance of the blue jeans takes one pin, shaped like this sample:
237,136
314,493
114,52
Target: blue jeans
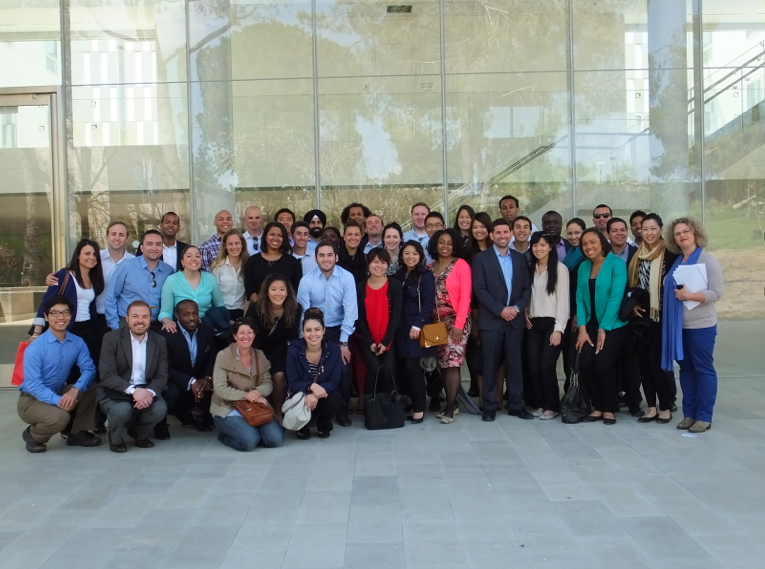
234,432
698,378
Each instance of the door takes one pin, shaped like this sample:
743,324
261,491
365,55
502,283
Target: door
27,170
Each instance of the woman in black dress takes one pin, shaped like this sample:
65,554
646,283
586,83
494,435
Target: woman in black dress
276,257
276,315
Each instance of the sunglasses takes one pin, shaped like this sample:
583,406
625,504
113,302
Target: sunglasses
153,279
601,215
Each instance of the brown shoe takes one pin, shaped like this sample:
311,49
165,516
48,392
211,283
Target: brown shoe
119,448
685,424
83,439
700,427
144,443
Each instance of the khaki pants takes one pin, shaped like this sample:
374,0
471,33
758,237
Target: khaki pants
46,420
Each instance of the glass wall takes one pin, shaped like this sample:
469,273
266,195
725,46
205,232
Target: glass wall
201,105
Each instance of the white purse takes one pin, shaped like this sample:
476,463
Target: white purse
296,413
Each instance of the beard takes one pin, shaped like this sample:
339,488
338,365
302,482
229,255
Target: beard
316,232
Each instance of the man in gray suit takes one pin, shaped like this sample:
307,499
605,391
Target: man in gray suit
133,371
502,286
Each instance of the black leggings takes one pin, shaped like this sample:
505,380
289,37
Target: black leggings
413,382
655,380
374,364
598,372
326,408
543,359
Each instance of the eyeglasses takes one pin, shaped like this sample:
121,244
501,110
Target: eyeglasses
683,232
601,215
153,279
435,226
57,313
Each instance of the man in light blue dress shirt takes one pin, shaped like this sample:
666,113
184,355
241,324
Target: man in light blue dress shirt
333,290
46,403
140,278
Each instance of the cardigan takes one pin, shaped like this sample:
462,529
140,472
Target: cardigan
177,288
416,310
394,313
554,305
232,381
459,286
299,377
610,286
70,291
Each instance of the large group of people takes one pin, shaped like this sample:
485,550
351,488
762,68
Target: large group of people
285,307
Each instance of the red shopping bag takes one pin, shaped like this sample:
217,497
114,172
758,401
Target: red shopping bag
18,368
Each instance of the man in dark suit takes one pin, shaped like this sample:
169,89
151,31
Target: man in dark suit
191,357
502,286
133,370
172,249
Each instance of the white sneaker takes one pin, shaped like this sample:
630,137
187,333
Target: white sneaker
538,412
547,415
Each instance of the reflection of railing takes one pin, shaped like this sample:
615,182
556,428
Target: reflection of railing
733,74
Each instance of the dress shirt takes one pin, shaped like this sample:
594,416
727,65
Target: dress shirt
551,305
335,296
254,244
209,250
138,371
170,254
421,238
48,362
231,284
191,340
308,261
131,281
624,255
506,264
177,288
310,247
107,267
560,248
368,247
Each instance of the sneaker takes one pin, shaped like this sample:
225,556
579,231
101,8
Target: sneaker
547,415
538,412
83,439
32,445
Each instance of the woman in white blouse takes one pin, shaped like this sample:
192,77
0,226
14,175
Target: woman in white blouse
228,268
546,319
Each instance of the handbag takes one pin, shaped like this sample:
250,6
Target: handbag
296,413
256,414
18,366
434,334
574,406
384,410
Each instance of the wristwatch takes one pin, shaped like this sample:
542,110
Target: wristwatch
343,344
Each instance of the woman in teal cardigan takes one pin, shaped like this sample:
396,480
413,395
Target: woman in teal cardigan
190,283
600,289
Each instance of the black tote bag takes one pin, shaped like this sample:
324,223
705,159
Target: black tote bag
574,406
384,410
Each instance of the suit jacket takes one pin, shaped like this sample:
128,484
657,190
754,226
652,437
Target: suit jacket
180,371
179,247
631,250
116,361
490,289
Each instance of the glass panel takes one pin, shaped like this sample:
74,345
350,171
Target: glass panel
734,151
380,144
508,134
30,43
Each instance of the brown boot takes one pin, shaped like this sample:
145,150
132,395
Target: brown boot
685,424
700,427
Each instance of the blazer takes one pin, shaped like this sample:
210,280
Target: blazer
459,286
116,364
394,313
179,247
232,381
416,310
491,290
180,371
610,286
299,378
71,293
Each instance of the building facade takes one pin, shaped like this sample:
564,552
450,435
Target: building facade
125,109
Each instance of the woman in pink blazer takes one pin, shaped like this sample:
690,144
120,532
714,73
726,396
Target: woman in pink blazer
454,285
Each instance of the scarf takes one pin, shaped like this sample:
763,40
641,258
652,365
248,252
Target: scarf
573,258
672,323
656,258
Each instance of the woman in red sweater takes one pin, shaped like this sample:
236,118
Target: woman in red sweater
379,303
454,286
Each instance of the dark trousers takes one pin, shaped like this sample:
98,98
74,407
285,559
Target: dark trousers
122,415
505,342
597,372
413,382
93,338
374,370
542,358
629,371
181,402
474,359
344,388
326,408
698,377
655,380
568,344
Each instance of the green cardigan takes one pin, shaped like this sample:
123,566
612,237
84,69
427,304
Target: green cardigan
610,286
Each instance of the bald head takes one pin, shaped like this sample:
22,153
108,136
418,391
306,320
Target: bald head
223,222
253,220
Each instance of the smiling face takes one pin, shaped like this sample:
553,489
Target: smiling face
234,246
464,221
637,227
244,337
392,239
170,225
541,249
433,224
574,233
192,259
419,214
684,236
286,220
152,247
651,232
352,237
274,240
600,218
618,234
357,214
591,246
445,246
117,236
502,235
326,258
480,233
58,317
552,223
138,319
313,332
223,222
374,227
330,236
277,293
411,257
378,267
300,236
188,315
509,209
521,230
253,220
87,258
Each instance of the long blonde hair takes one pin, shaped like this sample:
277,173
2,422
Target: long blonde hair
220,260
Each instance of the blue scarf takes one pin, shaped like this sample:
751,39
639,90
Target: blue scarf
672,319
573,258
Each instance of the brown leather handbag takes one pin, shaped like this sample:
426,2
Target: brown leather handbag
434,334
256,414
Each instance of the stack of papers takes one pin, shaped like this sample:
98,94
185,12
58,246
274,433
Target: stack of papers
694,279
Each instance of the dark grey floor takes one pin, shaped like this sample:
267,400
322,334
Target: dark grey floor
509,494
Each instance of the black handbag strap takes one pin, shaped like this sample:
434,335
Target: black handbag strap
377,376
575,372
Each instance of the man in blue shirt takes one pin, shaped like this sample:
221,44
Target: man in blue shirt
333,290
46,403
140,278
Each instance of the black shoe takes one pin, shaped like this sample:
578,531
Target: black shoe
435,404
673,408
417,421
83,439
472,393
323,434
664,421
119,448
607,421
636,410
592,419
343,420
32,445
647,419
144,443
521,414
489,416
303,434
161,432
198,423
100,428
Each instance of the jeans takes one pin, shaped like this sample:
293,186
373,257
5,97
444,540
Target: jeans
234,432
698,378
